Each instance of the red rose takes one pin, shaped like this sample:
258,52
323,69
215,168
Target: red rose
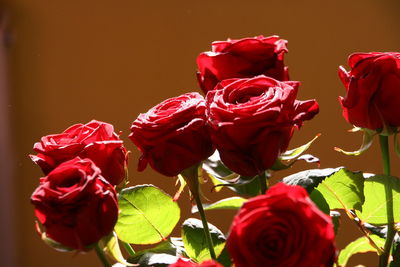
242,58
75,204
281,228
252,120
182,263
373,90
172,136
95,140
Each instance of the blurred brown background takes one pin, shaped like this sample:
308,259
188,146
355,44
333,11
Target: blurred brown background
73,61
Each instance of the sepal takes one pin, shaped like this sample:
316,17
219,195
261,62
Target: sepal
125,181
221,177
111,246
50,242
288,158
396,145
182,184
296,152
368,136
230,203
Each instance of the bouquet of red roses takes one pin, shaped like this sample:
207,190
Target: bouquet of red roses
236,136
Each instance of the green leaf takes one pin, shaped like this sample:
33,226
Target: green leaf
195,242
147,215
110,242
309,179
165,247
157,260
380,231
320,201
360,245
173,247
230,203
224,258
374,207
343,190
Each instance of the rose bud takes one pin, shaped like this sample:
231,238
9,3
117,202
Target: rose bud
282,228
252,121
243,58
372,86
95,140
182,263
75,204
172,136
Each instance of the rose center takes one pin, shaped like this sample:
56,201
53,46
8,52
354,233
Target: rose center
169,106
245,95
273,243
69,182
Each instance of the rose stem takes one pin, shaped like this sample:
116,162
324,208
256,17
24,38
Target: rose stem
384,258
102,256
205,226
191,177
396,257
263,183
128,248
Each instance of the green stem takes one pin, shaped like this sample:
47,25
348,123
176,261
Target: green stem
396,256
384,142
263,183
128,248
102,256
384,258
191,177
205,226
